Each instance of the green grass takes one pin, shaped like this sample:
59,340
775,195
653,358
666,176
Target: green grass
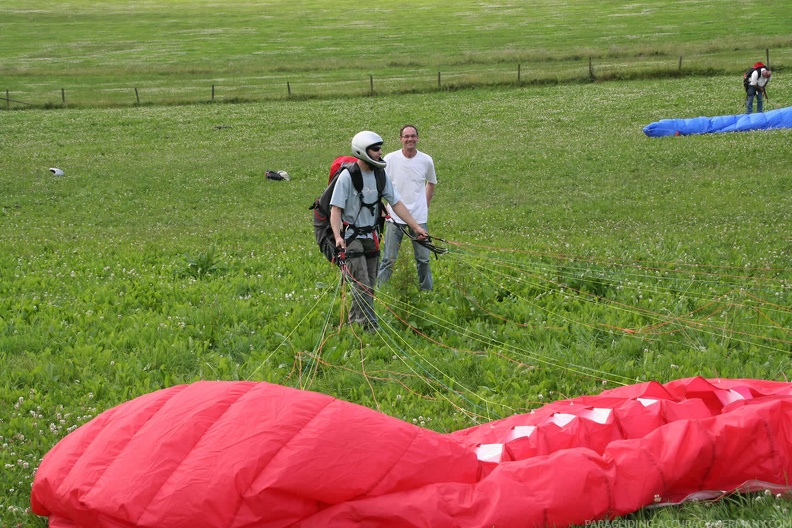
164,256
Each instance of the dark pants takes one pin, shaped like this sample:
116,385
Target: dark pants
753,92
363,270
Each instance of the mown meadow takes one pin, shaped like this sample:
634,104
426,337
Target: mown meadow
582,254
119,52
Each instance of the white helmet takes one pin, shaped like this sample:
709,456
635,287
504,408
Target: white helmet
360,145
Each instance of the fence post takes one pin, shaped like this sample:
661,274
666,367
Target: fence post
680,62
213,92
137,96
518,74
591,70
438,80
371,84
288,88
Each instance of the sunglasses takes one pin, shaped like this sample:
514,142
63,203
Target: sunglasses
375,148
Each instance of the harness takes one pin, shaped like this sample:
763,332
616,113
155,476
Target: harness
323,232
352,231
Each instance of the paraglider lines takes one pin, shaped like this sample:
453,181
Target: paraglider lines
699,314
548,295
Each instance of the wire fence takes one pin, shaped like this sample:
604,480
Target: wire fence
308,85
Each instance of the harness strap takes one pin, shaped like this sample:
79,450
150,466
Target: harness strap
371,206
358,230
343,256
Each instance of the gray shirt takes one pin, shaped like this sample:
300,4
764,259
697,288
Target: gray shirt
345,197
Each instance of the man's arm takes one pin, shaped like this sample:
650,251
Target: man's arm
430,190
400,209
335,225
764,91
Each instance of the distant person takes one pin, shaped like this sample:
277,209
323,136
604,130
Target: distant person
756,85
413,174
353,219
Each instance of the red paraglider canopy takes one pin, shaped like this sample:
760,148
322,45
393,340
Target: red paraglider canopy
244,454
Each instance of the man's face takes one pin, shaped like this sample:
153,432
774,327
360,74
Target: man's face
375,152
409,138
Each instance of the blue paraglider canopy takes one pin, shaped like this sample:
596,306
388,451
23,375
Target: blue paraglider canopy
780,118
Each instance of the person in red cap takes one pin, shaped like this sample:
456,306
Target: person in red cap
757,84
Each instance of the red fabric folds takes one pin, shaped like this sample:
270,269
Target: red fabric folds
244,454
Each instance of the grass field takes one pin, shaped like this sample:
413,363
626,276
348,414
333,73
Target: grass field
164,256
103,298
89,53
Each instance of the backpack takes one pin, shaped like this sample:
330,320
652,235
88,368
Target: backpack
321,206
280,175
340,160
747,75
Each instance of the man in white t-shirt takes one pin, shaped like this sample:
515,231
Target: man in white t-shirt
757,83
413,175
